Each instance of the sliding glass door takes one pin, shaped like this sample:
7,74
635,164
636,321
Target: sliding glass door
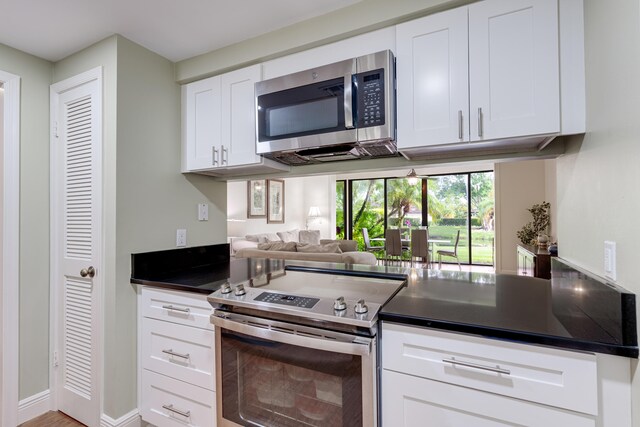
447,204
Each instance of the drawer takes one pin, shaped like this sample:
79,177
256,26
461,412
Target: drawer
565,379
408,401
166,402
174,306
181,352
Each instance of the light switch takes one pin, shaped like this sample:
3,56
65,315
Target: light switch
203,212
610,260
181,237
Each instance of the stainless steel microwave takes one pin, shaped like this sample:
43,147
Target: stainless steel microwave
340,111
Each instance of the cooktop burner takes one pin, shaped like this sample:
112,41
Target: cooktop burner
324,296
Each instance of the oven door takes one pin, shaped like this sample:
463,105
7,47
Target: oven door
271,373
309,109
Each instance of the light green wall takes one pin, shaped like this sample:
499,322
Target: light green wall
366,15
598,178
35,76
153,199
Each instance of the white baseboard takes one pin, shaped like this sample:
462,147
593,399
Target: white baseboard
132,419
34,406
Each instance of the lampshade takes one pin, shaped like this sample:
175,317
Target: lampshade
412,177
314,212
236,227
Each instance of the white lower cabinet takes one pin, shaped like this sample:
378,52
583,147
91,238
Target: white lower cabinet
412,401
433,377
169,402
176,359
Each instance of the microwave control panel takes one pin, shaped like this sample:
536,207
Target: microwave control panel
370,98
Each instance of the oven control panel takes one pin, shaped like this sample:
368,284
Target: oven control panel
290,300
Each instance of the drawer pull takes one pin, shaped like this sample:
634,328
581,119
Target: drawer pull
182,310
173,353
186,414
476,366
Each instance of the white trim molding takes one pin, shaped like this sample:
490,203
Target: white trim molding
34,406
9,285
132,419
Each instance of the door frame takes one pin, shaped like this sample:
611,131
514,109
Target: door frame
10,282
55,239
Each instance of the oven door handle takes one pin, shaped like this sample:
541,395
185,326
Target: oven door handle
360,346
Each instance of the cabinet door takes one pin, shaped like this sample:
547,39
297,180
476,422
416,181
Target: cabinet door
238,116
201,124
411,401
513,68
432,79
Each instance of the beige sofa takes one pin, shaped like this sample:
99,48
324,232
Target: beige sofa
308,252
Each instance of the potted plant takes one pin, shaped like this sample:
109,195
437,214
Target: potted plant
535,232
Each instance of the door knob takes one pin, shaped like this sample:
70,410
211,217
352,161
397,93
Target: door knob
88,272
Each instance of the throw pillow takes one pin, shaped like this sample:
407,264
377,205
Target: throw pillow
331,248
345,245
310,236
278,246
289,236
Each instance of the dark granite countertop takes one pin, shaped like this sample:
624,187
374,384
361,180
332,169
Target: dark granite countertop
573,310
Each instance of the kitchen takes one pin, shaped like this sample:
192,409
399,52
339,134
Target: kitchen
594,176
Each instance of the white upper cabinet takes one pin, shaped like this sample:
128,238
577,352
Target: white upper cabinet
238,117
489,71
218,125
513,67
200,124
433,80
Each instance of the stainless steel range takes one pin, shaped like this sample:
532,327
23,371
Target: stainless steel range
299,348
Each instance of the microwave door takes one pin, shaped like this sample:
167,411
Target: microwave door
309,116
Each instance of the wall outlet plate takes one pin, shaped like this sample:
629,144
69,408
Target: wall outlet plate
610,260
181,237
203,212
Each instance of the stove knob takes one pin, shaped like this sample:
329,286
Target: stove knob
225,288
339,304
239,291
361,307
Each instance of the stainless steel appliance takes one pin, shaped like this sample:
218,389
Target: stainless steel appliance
298,348
341,111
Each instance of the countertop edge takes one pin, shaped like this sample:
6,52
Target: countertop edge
172,286
513,335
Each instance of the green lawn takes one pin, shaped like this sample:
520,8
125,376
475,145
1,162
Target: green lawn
482,243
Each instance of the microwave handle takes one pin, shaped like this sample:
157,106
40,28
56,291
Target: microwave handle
361,348
348,102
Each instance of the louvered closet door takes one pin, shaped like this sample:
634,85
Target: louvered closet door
78,156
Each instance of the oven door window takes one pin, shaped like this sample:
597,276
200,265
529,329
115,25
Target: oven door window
265,383
306,110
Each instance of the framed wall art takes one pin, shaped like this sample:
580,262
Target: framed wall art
257,198
275,204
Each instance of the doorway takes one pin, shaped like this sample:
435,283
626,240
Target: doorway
9,229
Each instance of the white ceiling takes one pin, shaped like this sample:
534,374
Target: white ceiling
175,29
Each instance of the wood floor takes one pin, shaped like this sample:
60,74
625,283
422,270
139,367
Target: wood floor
52,419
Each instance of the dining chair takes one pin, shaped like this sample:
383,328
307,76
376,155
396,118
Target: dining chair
420,246
393,244
453,253
367,243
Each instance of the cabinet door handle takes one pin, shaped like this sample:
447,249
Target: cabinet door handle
460,131
215,156
225,156
480,129
170,352
186,414
172,308
497,370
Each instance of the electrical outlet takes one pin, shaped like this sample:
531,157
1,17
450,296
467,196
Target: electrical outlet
203,212
181,238
610,260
